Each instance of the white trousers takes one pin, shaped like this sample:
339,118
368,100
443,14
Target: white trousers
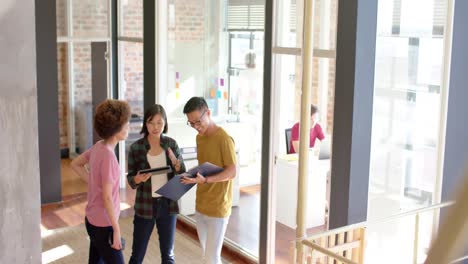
211,232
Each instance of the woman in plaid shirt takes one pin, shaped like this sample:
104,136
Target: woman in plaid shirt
154,150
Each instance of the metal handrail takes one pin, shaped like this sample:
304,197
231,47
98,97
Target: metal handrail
310,243
380,221
328,252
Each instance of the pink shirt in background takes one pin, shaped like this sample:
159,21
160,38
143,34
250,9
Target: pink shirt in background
315,133
103,168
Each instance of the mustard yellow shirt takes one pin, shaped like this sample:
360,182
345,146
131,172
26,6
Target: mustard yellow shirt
215,199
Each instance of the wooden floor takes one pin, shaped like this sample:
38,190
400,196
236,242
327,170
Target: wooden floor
243,227
71,210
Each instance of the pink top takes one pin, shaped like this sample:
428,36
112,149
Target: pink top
315,133
103,168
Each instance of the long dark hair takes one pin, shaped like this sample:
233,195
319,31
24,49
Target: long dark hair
153,110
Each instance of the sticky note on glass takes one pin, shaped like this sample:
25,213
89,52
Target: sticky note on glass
225,95
219,94
221,82
177,85
177,95
177,75
212,93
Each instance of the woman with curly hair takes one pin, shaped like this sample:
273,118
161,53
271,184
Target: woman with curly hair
100,168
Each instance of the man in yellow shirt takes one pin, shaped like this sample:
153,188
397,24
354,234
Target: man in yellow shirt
214,193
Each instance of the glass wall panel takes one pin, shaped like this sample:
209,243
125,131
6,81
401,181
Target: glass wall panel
325,24
131,85
319,156
286,193
131,75
90,18
226,68
246,74
197,55
62,18
288,23
89,21
384,239
407,110
130,18
290,18
63,101
83,109
287,84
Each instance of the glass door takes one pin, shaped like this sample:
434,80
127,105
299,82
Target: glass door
201,52
74,38
287,90
130,70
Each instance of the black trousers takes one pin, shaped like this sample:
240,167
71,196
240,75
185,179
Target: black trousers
100,251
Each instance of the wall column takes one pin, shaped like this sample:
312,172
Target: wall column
456,142
354,92
47,101
149,53
19,151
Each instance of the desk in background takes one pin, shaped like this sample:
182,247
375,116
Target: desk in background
286,194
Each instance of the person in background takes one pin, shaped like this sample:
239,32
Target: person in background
214,193
315,131
153,150
111,122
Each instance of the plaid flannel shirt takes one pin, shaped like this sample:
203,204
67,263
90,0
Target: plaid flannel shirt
137,161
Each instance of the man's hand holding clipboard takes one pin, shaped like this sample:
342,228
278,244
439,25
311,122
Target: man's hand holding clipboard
191,180
181,183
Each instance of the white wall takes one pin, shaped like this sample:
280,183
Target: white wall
19,159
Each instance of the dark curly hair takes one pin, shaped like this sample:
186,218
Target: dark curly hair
153,110
110,117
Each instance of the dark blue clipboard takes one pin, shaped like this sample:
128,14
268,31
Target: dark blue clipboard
174,189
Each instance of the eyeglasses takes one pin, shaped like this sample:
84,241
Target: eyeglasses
197,123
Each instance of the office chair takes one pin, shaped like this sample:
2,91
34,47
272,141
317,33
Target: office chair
287,133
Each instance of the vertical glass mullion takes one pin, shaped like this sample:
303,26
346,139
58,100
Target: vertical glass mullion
447,34
71,83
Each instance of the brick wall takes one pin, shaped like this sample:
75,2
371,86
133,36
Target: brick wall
189,20
132,19
61,11
131,74
82,72
186,23
90,18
